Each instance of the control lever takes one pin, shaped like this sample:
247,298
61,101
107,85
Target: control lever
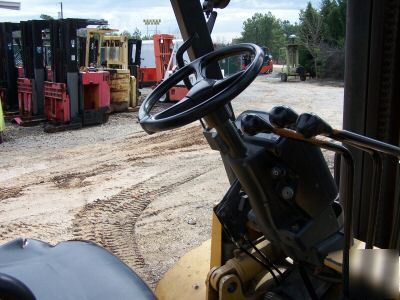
252,124
310,125
283,116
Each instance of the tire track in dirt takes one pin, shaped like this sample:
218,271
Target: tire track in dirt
13,192
111,222
42,231
75,179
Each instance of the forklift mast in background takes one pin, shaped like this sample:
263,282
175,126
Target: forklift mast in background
30,85
157,54
162,51
8,68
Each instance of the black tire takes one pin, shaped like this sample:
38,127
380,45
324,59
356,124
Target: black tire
284,77
303,77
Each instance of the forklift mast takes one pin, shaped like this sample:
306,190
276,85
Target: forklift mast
162,51
30,87
134,57
8,68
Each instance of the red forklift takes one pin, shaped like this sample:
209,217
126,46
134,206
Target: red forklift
156,55
73,98
159,63
268,64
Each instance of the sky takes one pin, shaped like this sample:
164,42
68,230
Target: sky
129,14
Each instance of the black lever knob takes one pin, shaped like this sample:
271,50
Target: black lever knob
310,125
283,117
252,124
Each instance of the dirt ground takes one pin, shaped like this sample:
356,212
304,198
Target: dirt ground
148,199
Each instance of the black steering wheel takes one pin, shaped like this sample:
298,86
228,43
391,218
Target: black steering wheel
206,95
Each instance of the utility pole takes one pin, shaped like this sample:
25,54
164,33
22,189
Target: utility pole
61,13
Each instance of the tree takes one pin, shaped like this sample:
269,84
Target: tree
264,30
134,35
311,31
289,28
126,33
137,34
333,13
46,17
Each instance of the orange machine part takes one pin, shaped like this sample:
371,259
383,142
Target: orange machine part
148,76
177,93
162,52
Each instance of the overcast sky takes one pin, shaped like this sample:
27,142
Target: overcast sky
129,14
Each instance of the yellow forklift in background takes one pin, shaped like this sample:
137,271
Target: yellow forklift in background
108,51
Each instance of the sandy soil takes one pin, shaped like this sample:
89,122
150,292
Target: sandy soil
148,199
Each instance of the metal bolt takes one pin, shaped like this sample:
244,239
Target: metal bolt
232,287
287,193
276,172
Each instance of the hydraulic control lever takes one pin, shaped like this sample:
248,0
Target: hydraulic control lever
310,125
253,124
283,117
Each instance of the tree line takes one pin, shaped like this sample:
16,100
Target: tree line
320,33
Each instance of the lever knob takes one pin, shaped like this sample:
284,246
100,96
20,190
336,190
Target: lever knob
310,125
252,124
283,117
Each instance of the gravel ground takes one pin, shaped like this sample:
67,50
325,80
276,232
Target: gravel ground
148,199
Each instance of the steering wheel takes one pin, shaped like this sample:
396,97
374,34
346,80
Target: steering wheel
206,95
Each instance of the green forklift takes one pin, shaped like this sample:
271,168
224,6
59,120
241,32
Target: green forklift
291,67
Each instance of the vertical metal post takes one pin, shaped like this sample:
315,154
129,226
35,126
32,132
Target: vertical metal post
371,103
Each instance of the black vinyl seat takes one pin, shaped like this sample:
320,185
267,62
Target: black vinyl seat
72,270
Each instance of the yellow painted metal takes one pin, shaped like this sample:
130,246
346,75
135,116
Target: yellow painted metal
2,123
116,50
216,242
99,34
186,279
133,99
230,288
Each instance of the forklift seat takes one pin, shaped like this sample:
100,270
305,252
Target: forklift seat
32,269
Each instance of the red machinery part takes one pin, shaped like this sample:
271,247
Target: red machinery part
56,102
25,97
148,76
49,74
96,89
162,52
20,72
177,93
267,68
